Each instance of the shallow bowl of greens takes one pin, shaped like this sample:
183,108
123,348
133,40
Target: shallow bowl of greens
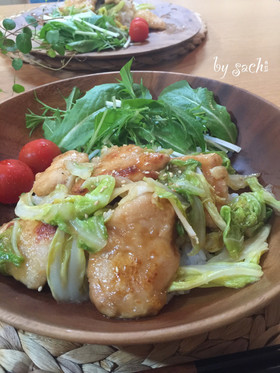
201,310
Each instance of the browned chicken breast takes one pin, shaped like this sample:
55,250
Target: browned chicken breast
154,21
216,175
130,276
33,243
125,16
57,173
218,180
132,162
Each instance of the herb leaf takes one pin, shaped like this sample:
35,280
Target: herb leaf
18,88
9,24
17,63
23,42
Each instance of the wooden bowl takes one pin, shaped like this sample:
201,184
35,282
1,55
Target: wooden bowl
202,310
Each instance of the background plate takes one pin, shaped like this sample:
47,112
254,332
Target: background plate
182,25
203,309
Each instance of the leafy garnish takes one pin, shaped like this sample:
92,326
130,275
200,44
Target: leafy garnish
124,112
216,118
78,32
33,120
83,32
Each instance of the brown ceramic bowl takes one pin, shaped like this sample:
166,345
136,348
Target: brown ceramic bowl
203,309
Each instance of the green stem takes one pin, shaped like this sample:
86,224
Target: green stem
94,136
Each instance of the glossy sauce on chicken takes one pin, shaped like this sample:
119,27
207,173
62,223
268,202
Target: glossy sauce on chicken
130,276
132,162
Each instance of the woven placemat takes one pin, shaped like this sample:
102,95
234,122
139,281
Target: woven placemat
23,352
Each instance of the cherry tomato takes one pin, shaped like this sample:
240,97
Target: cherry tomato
38,154
137,19
138,30
15,178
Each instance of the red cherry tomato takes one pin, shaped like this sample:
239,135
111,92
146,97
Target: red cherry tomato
137,19
38,154
15,178
138,30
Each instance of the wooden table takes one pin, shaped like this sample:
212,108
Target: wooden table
242,34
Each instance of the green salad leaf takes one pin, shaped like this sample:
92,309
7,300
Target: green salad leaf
83,32
216,118
124,112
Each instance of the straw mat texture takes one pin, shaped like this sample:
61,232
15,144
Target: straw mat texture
23,352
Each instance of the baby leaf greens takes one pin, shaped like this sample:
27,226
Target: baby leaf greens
77,32
125,112
84,32
180,96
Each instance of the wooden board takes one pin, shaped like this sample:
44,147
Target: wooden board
182,25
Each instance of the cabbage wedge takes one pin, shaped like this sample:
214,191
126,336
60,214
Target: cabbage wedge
66,269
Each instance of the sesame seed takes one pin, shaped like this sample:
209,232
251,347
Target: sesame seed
103,188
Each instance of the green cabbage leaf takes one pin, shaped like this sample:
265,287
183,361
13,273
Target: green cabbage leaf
66,269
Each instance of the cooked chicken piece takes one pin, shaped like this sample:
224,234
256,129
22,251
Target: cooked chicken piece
33,244
57,173
127,12
82,5
154,21
130,276
215,177
132,162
